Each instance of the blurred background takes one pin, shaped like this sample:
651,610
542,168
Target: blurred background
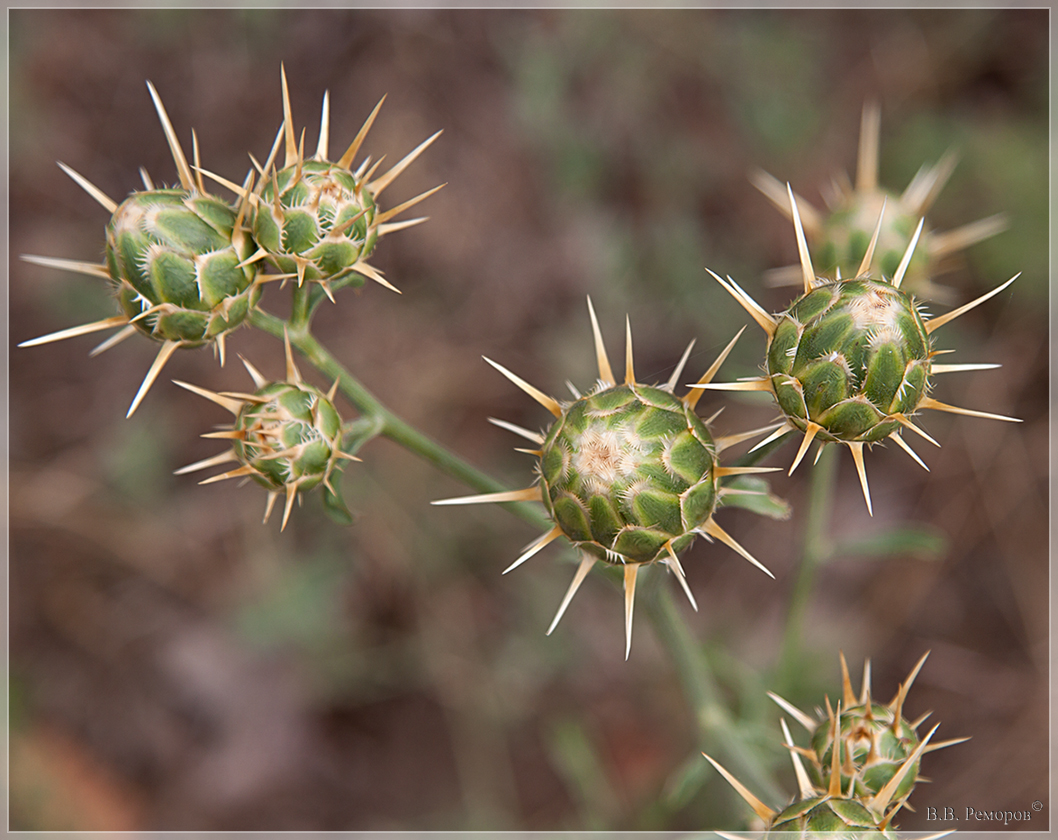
177,665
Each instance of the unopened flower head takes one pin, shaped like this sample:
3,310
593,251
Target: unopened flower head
839,235
179,273
176,259
873,739
628,474
287,436
858,787
317,219
851,361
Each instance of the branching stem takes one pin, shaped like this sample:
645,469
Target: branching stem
389,424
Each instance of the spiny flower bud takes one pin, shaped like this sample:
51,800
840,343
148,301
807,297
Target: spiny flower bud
851,361
628,473
179,274
858,788
176,259
317,220
838,237
874,740
287,436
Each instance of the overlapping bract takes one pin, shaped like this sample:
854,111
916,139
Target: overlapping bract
177,266
628,474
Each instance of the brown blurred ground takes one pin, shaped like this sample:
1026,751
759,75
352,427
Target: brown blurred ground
177,665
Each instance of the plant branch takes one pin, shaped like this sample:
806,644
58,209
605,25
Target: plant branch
391,426
816,547
718,730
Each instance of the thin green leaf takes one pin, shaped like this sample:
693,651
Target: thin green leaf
751,459
336,508
686,781
755,495
920,541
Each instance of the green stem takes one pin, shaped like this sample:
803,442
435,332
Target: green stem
301,311
815,549
717,728
390,425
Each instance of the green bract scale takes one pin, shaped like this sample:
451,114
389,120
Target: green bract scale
628,473
177,270
826,816
851,361
317,220
287,436
838,237
857,789
848,358
178,259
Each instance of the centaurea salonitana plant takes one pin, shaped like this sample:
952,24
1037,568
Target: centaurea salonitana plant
627,473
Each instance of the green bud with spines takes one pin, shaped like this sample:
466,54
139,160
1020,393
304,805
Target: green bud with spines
839,236
628,473
287,436
179,261
862,765
873,743
317,220
847,357
176,267
849,361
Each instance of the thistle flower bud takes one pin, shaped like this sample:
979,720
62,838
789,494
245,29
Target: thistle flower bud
317,219
838,236
857,788
287,436
851,361
628,473
873,740
177,259
177,269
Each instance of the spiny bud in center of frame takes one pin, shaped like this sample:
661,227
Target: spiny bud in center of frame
628,474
